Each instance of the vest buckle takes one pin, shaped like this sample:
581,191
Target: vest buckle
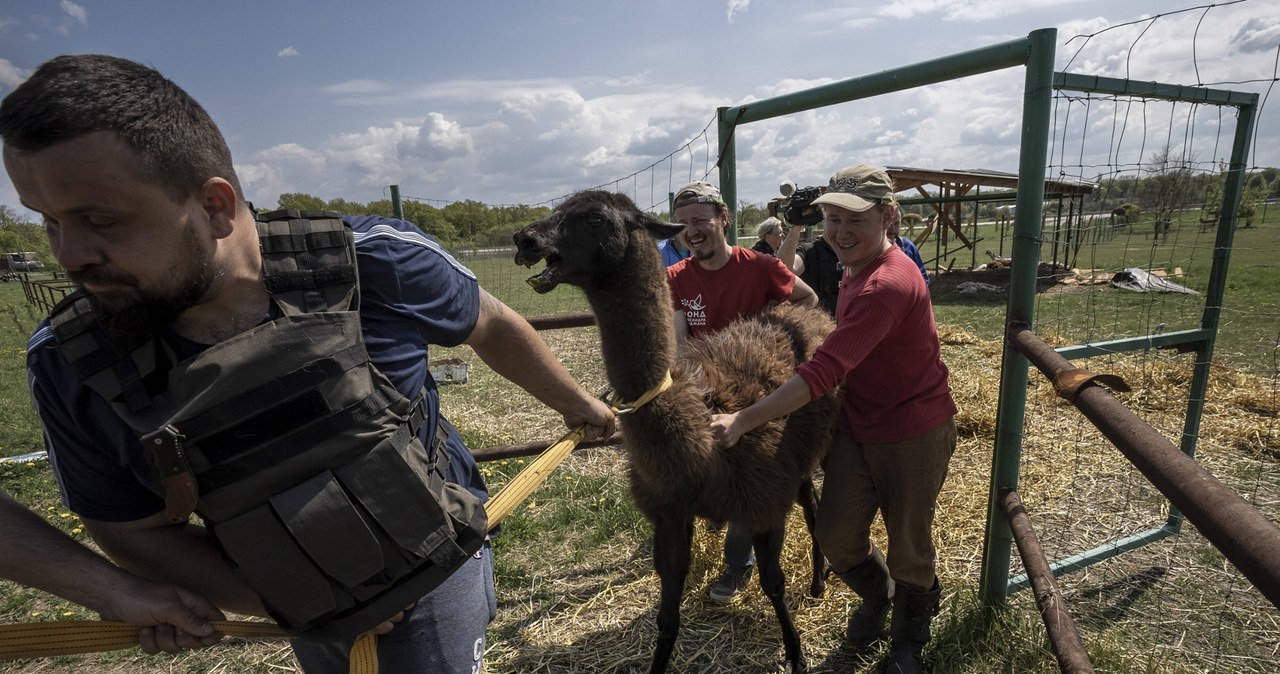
164,446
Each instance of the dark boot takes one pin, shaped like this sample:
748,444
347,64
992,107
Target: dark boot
912,613
871,581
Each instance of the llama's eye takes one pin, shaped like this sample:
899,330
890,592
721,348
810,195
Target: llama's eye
595,220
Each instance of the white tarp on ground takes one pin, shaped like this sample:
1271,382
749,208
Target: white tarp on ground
1142,281
25,458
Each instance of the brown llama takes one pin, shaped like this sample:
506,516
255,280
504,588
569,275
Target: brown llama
602,243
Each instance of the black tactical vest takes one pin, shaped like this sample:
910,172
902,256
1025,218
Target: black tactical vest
302,458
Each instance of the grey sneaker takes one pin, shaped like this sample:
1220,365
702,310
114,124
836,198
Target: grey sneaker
731,583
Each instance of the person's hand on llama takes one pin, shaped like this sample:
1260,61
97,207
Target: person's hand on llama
723,429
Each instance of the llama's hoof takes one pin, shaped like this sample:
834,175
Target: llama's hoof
818,586
797,667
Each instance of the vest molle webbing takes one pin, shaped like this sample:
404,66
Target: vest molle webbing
302,458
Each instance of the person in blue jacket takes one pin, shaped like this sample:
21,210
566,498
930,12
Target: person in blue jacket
906,245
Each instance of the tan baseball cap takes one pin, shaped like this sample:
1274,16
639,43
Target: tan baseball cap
858,188
698,192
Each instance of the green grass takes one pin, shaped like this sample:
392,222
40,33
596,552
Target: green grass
19,430
505,280
1250,318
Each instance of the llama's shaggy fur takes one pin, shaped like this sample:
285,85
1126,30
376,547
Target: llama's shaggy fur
602,243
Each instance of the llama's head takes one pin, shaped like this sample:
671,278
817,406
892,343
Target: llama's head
586,237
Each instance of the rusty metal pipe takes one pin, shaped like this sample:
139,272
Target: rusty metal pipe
559,321
531,448
1243,534
1064,638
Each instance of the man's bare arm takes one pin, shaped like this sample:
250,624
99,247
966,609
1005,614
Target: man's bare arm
506,342
182,554
803,294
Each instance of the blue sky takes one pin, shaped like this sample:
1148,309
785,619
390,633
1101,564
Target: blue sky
521,102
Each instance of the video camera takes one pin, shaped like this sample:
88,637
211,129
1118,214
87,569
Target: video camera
797,204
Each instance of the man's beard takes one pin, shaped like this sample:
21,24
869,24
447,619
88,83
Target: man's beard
150,311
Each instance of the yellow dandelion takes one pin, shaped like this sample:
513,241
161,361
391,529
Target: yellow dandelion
36,614
67,614
64,515
76,531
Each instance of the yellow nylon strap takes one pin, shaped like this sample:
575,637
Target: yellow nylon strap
364,655
527,480
45,639
626,408
534,474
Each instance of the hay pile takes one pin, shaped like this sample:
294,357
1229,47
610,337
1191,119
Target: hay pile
1078,489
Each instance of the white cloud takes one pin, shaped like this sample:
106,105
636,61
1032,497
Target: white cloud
75,12
519,140
438,139
72,13
1258,34
7,22
527,140
973,10
628,80
1187,48
736,6
287,52
11,75
358,88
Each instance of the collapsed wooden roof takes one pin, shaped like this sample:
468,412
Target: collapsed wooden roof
962,181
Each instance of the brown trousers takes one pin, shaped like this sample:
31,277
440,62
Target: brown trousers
902,481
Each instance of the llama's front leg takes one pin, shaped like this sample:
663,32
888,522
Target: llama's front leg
671,541
808,501
768,547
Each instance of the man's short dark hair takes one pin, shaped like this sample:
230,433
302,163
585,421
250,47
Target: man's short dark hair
177,141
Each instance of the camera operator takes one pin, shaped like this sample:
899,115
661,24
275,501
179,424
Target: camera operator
814,262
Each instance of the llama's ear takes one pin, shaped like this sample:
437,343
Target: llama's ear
660,229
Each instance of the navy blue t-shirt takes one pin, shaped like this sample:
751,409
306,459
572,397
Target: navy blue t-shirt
412,294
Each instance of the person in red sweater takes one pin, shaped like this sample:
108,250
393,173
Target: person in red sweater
718,284
896,431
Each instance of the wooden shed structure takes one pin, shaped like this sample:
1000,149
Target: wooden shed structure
947,192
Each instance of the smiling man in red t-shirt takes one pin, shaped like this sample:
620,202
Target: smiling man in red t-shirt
719,282
716,285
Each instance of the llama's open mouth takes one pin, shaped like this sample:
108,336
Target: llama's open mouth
548,278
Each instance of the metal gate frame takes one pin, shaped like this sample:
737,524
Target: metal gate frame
1036,53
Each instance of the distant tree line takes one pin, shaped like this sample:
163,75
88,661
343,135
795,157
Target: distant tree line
17,234
1180,188
459,223
463,224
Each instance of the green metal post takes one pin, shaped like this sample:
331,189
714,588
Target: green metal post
396,207
728,169
987,59
996,57
1231,194
1036,112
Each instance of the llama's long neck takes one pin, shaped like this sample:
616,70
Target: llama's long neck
633,309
